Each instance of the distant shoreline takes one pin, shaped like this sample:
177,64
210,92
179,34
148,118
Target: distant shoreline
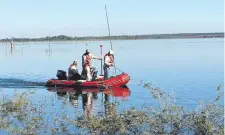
119,37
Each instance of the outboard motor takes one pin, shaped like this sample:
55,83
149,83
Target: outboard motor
61,75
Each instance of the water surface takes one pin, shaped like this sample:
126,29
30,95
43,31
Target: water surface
192,68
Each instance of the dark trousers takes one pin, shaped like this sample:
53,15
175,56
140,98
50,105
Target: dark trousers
94,73
75,77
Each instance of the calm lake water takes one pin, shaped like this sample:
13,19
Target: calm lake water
191,68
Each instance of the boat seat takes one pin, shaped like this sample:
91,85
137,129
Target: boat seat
81,81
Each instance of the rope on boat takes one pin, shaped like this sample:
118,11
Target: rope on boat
119,70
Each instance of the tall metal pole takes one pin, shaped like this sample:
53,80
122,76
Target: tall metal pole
108,26
110,37
101,59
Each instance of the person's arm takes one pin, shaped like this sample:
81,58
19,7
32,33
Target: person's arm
96,57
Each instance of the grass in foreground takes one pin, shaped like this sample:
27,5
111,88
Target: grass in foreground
18,115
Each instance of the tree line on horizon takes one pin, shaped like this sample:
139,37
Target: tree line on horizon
119,37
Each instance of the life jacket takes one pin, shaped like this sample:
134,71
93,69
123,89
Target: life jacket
87,61
110,57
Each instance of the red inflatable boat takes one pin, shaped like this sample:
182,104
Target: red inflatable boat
116,81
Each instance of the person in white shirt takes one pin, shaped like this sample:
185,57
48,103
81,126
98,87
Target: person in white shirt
73,72
108,63
89,71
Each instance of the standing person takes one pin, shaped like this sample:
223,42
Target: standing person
89,71
108,63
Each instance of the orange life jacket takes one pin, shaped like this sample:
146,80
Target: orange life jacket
87,61
110,57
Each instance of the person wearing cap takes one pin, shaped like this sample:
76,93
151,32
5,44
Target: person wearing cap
89,71
73,72
108,63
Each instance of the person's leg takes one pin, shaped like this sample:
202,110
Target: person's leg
94,72
108,70
88,73
92,68
106,73
94,76
83,74
77,77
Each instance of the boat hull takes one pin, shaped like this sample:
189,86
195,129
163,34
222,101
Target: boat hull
117,81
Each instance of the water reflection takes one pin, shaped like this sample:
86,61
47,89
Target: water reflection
89,95
48,51
11,50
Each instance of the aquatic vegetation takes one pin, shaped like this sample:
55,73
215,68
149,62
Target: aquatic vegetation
129,121
18,115
170,118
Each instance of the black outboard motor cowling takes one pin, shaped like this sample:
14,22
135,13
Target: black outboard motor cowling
61,75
